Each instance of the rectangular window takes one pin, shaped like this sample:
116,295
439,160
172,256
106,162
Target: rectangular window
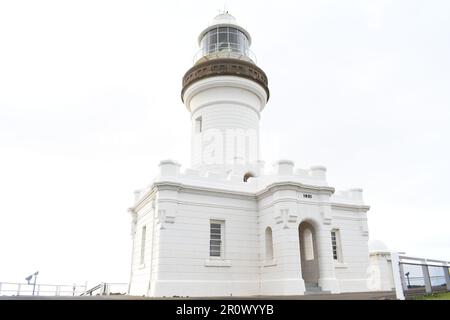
143,235
335,243
198,125
216,239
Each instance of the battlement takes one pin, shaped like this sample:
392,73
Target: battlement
282,171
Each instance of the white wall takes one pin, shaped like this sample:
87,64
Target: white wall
184,208
381,269
352,272
184,265
141,273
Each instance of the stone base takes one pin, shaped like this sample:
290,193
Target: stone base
188,288
329,284
185,288
354,285
282,287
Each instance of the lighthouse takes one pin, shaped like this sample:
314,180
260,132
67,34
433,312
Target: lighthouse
227,224
225,93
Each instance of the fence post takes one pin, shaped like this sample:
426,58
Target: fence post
18,289
447,275
402,275
397,272
426,277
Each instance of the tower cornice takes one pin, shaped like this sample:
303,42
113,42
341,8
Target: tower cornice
225,67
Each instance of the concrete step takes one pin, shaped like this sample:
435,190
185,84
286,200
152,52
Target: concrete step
312,286
317,293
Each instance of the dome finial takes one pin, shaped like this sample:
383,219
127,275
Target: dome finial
225,9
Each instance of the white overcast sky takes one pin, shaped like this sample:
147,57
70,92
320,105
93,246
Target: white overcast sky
90,103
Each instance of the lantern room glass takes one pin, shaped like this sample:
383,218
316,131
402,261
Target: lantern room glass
225,39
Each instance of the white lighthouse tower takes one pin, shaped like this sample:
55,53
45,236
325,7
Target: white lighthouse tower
228,225
225,92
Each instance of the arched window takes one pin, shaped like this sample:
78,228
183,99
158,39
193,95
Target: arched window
308,244
247,176
269,244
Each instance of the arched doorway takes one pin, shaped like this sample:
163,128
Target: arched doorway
309,257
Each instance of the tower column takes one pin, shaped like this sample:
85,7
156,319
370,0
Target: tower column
225,91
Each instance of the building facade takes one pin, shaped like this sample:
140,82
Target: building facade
229,224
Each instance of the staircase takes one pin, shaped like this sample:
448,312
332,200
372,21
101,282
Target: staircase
314,288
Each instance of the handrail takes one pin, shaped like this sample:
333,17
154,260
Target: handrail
430,262
105,288
230,49
90,291
40,289
45,289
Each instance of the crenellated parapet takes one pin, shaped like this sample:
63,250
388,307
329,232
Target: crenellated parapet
282,174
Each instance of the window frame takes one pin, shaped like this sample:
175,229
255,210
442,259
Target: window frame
221,239
219,38
269,250
143,242
336,247
198,124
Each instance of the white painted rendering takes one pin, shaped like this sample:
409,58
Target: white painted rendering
178,207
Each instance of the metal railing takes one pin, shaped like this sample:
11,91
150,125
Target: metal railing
107,289
61,290
423,275
25,289
225,50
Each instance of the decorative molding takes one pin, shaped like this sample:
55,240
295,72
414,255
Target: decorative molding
350,206
294,186
146,198
240,103
270,263
340,265
326,217
347,218
217,263
209,205
162,218
270,189
284,218
364,228
134,219
225,67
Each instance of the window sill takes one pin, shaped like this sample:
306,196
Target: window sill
270,263
217,263
340,265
